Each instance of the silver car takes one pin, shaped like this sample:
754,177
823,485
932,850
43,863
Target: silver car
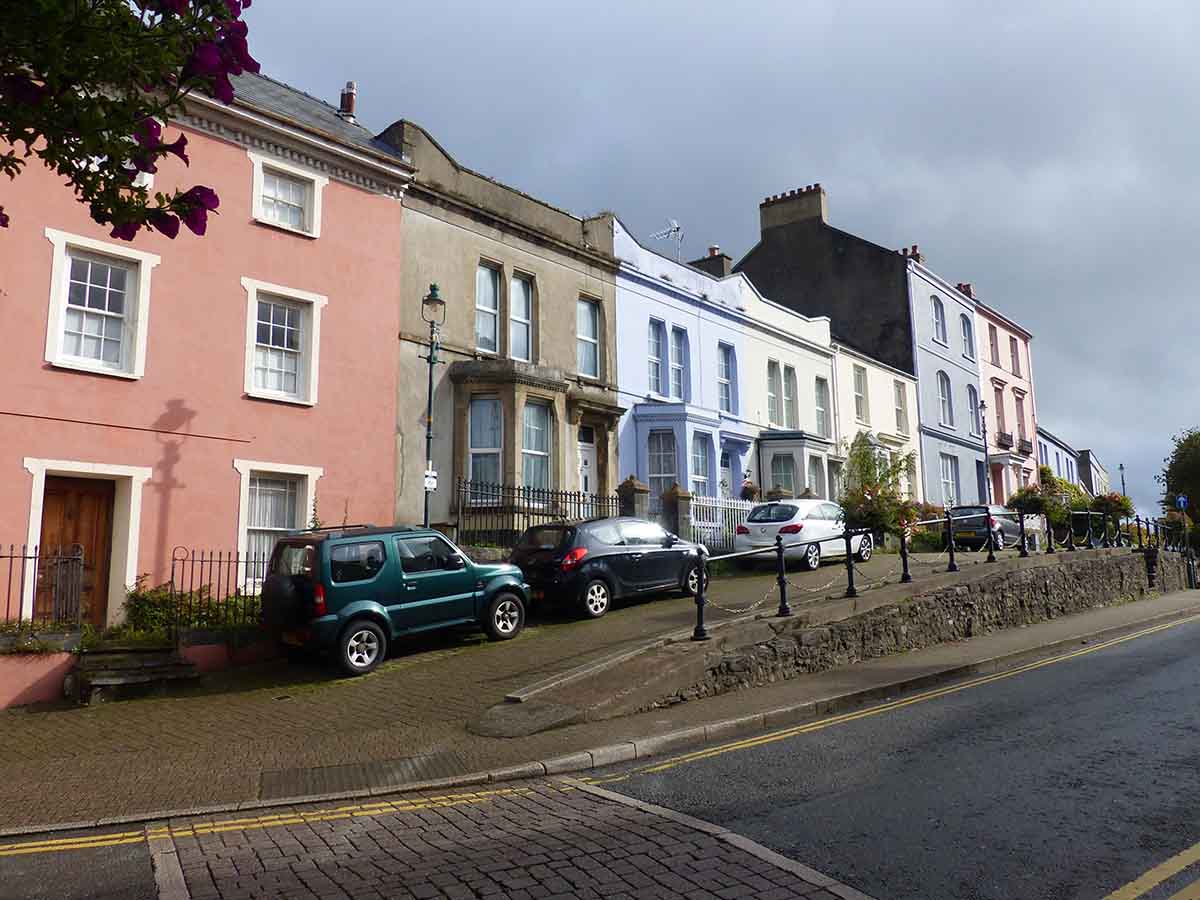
811,530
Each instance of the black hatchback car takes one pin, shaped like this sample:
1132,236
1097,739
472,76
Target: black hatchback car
972,523
595,562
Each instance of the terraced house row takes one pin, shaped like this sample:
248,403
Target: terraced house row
273,375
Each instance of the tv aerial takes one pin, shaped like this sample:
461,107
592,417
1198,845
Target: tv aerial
673,232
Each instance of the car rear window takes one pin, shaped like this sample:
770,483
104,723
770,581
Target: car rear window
543,537
293,559
772,512
977,514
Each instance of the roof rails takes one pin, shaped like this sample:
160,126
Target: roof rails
329,528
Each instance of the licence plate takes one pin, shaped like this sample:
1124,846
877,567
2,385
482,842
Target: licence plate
967,533
292,639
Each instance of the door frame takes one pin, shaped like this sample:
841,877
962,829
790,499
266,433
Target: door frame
126,523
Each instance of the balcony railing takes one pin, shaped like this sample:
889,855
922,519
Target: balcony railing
1004,439
1025,447
496,515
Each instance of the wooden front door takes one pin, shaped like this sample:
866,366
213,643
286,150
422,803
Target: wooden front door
79,511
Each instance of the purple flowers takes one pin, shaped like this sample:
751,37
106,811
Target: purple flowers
228,54
164,222
23,90
126,231
198,202
3,218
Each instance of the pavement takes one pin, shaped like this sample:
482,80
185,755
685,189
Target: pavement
261,735
1069,779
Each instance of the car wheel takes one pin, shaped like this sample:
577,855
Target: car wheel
505,617
595,598
691,581
998,541
812,556
866,546
361,648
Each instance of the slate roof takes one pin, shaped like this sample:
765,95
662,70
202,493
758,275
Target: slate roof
286,102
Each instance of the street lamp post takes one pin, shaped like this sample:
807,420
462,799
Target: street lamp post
433,311
987,484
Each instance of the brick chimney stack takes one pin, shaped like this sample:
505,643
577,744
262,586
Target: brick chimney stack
715,263
966,289
346,106
794,206
913,253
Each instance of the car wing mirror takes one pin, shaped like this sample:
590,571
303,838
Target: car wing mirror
670,540
456,562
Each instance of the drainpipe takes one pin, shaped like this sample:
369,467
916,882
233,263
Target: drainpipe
834,398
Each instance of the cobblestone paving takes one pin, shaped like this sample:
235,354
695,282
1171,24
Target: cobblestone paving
545,840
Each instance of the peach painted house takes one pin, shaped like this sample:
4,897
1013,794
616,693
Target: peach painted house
210,391
1006,387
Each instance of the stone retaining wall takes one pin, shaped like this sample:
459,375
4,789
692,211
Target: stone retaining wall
1006,599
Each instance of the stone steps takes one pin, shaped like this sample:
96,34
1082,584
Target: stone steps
117,673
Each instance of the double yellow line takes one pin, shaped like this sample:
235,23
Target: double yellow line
821,724
115,839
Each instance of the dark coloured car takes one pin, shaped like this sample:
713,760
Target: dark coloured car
972,523
590,564
353,591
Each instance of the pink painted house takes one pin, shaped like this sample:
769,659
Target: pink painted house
1006,385
206,392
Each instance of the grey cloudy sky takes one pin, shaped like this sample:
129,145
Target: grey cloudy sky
1045,152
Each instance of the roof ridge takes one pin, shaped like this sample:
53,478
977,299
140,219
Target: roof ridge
329,106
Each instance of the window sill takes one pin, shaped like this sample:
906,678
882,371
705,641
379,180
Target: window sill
279,226
945,344
279,398
859,421
81,365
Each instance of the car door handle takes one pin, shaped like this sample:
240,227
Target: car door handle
636,556
410,587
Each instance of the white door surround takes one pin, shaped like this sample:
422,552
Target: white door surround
126,527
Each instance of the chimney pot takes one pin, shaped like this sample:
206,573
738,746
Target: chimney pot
714,249
346,106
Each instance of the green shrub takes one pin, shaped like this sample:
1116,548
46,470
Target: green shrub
149,610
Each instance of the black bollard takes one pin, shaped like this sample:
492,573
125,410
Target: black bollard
991,538
1071,533
953,567
1138,522
905,575
1024,541
1104,524
850,591
1091,543
784,609
1049,535
700,633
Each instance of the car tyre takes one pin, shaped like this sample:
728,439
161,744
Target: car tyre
595,598
866,546
505,617
812,557
361,647
691,580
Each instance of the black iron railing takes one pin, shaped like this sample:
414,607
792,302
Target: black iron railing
1004,439
495,515
43,586
1025,447
214,590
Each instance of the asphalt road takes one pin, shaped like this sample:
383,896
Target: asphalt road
1069,781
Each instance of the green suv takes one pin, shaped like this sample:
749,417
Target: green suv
354,590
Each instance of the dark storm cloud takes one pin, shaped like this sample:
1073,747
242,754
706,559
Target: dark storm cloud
1048,155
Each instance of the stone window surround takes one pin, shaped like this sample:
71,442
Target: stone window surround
314,304
316,185
504,277
138,321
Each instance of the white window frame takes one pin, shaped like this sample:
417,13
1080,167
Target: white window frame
994,344
700,478
939,321
654,364
821,404
792,487
498,450
968,336
516,321
945,400
862,402
821,489
594,305
1019,404
678,363
1014,352
137,320
900,395
316,189
725,378
312,319
306,505
973,410
546,454
948,469
667,478
791,414
497,273
774,389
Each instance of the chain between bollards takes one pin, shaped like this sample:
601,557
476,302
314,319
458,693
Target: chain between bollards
700,633
784,609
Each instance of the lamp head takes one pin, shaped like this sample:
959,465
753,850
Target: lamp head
433,307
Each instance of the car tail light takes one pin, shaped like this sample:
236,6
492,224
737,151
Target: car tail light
991,522
792,529
319,608
573,558
742,529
